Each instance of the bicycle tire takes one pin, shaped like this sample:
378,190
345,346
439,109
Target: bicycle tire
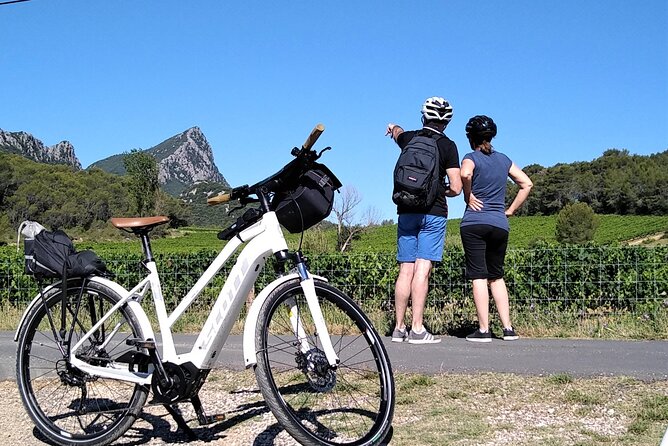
313,402
68,406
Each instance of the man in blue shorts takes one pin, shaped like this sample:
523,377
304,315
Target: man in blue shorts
421,231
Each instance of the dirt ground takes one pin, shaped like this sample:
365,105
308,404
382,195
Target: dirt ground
451,409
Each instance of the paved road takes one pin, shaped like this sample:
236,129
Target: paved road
646,360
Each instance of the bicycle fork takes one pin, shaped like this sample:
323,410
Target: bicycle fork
308,286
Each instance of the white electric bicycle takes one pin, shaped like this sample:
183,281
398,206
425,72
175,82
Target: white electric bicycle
87,361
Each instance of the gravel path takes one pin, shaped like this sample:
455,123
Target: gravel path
248,420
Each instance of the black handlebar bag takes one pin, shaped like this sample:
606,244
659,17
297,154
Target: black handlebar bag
309,202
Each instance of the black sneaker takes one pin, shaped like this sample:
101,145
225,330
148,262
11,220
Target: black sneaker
509,335
478,336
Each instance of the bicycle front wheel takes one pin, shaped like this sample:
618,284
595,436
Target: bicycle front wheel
350,404
68,405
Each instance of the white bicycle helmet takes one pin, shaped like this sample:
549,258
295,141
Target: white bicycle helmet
438,109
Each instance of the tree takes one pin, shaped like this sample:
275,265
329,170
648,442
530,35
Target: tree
142,169
347,228
58,196
615,183
576,223
178,212
7,182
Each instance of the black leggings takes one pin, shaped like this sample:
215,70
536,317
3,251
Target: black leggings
484,250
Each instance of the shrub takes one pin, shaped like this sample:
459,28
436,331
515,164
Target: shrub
576,224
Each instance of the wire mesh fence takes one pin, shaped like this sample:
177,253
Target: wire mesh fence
582,280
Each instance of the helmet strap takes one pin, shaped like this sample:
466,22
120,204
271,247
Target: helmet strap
434,124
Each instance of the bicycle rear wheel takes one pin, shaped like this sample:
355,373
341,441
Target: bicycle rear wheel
69,406
351,404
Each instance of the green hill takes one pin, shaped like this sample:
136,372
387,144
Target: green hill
525,233
112,164
80,202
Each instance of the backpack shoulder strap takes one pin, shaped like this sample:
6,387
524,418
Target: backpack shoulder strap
436,136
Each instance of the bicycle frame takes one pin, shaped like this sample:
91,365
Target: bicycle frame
262,239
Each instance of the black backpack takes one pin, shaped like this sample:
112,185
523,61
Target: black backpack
416,174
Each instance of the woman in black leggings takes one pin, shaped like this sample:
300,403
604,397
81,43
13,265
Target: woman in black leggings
484,227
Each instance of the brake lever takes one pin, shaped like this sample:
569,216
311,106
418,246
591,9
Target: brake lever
235,209
243,202
322,151
309,154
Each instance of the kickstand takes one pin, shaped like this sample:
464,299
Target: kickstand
202,417
176,414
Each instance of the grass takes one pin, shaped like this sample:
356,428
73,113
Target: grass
635,325
10,316
492,409
651,409
525,230
615,325
529,324
560,378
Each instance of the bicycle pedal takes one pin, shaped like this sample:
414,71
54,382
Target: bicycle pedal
148,344
210,419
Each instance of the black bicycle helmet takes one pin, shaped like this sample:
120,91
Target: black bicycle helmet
481,126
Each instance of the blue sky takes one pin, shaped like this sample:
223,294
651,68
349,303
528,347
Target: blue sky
564,81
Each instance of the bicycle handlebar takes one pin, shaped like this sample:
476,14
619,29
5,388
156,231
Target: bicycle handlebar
219,199
303,156
313,137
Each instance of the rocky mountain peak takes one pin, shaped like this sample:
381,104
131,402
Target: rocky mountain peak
25,144
185,159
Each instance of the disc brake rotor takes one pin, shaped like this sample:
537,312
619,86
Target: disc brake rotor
321,376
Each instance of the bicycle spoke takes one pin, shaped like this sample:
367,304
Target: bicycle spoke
339,405
66,402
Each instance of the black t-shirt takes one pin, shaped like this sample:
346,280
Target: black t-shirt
448,159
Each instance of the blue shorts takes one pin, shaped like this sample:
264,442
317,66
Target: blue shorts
420,236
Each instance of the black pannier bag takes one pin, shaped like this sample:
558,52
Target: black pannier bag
85,263
309,202
51,255
47,257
